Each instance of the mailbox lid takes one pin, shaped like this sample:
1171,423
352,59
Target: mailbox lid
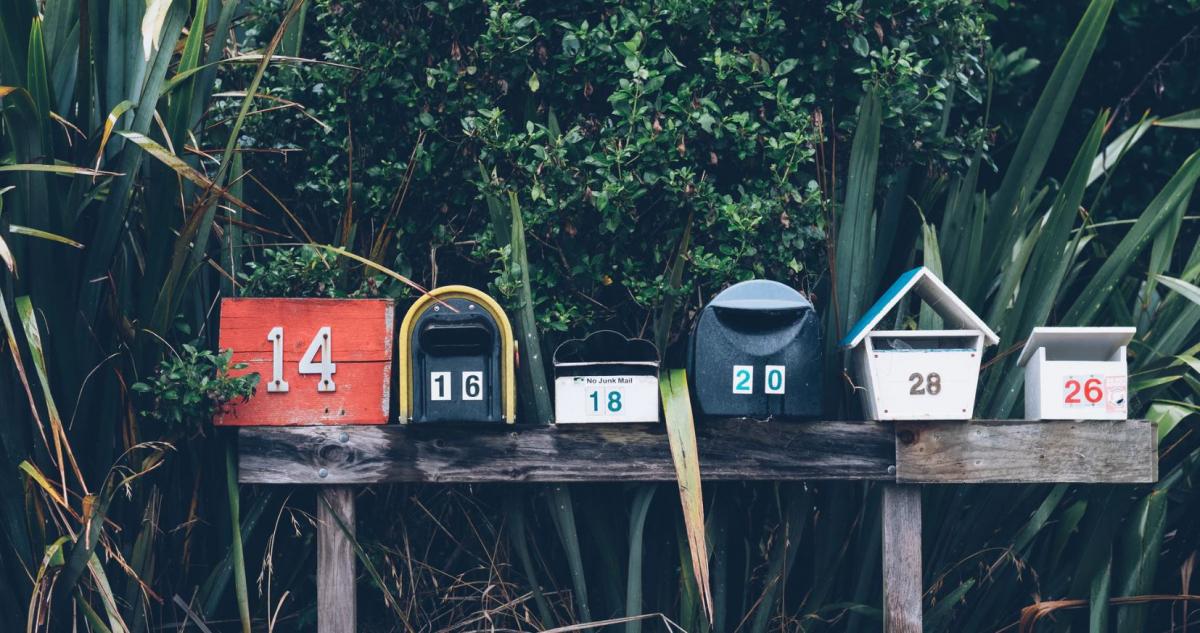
934,292
1077,343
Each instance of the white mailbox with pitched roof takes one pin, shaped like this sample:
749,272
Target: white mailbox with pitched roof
919,374
1076,373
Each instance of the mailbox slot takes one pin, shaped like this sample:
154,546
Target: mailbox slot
755,352
457,358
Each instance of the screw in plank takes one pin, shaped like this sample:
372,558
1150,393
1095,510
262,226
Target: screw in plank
343,437
892,470
323,473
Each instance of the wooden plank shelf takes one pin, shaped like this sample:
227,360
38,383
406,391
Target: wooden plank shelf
985,451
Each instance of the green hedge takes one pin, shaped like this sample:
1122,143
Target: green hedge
615,123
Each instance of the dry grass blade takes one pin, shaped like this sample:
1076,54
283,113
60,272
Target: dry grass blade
1031,614
681,432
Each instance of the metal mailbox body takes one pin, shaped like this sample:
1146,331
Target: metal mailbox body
1076,373
606,378
918,374
457,359
319,361
755,352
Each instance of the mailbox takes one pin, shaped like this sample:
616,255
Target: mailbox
755,352
606,377
320,361
1076,373
919,374
457,359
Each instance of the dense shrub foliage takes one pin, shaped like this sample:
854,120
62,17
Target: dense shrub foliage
617,123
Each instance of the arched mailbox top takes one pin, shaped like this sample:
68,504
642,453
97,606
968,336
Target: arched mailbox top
607,347
760,295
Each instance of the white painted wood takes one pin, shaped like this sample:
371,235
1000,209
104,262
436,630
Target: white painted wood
574,402
1076,373
919,384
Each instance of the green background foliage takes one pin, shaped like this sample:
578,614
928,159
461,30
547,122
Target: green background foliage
616,123
597,165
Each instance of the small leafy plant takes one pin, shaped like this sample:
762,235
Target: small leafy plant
301,271
191,387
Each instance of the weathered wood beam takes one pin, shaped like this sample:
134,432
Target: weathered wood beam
902,577
729,450
1096,451
336,588
986,451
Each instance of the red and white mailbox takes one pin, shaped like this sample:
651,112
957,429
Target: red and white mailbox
1076,373
320,361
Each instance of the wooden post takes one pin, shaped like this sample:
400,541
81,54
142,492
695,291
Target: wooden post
902,581
336,597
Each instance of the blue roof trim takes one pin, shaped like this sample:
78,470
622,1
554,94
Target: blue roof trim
883,305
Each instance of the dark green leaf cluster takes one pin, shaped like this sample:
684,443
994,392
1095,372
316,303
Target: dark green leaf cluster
615,123
301,271
191,387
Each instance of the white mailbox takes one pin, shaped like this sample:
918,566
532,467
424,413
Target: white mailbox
606,377
1076,373
919,374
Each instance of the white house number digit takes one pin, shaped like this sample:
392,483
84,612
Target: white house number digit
322,342
277,383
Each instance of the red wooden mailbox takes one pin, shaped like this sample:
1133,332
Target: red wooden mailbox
320,361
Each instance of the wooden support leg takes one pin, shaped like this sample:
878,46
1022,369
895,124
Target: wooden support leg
336,605
902,559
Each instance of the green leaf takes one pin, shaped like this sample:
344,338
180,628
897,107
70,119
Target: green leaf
681,433
860,45
1187,290
1097,291
534,83
1189,120
1042,130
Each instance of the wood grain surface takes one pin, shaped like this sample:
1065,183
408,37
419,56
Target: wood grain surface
361,348
729,450
336,589
913,452
1016,451
902,579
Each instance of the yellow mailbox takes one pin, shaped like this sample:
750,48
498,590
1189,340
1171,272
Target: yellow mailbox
457,360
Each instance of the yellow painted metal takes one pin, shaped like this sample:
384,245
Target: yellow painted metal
508,372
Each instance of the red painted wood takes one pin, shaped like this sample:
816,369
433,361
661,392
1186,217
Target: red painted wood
362,345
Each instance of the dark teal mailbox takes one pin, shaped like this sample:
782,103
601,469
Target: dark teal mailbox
756,353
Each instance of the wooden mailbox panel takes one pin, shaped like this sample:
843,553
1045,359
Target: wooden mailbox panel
360,347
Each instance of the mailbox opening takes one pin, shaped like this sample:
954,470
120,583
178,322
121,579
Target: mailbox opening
922,342
457,339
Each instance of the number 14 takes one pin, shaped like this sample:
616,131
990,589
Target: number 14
322,343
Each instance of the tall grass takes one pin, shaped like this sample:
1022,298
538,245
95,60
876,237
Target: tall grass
124,217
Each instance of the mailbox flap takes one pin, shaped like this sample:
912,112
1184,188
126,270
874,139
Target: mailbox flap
1077,343
760,296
